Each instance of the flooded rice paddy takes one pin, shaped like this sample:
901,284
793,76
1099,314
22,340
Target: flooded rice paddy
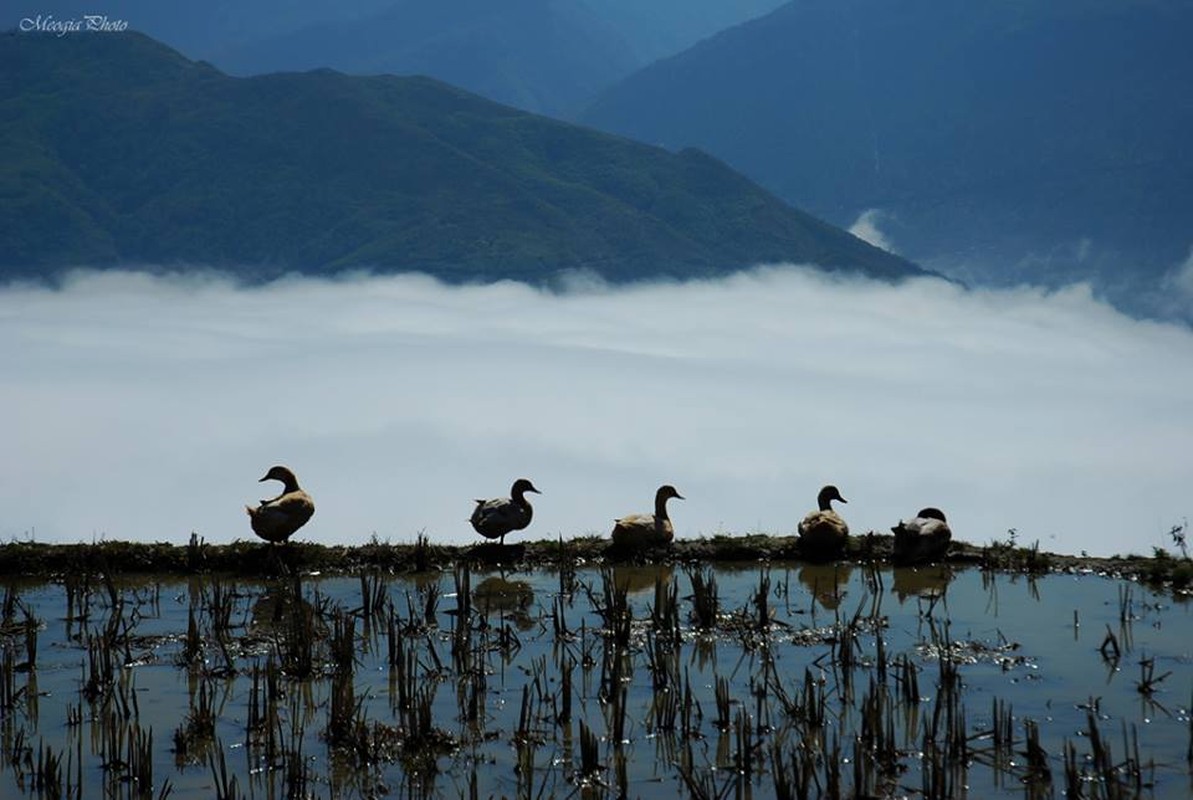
779,681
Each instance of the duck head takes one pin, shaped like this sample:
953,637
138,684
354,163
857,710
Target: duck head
827,495
283,474
521,487
666,492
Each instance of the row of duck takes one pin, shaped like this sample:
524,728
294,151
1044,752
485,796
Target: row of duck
823,533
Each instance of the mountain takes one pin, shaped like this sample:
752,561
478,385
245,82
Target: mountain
547,56
1009,139
115,149
200,30
662,28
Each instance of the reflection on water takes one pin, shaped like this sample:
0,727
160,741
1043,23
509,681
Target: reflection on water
511,600
826,582
496,593
927,582
507,684
639,578
277,606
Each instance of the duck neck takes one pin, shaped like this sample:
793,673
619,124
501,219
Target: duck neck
519,497
826,502
660,506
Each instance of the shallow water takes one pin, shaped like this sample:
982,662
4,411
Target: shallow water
893,682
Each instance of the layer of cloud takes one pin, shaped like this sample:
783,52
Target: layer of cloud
146,408
865,227
1178,286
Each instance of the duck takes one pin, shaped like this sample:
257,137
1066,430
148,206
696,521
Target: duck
647,530
822,533
493,519
924,538
276,520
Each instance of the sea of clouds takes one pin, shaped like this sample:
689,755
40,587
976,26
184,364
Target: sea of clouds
142,407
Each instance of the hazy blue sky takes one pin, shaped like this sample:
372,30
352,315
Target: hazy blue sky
147,408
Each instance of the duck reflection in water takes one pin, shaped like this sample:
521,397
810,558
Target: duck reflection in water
635,579
282,610
826,582
928,582
510,599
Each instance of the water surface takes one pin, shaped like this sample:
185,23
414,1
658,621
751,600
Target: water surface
808,681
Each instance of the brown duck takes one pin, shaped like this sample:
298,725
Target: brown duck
277,519
494,518
647,530
822,533
924,538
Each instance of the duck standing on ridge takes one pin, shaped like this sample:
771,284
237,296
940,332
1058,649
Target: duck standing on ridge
925,538
822,533
647,530
494,518
277,519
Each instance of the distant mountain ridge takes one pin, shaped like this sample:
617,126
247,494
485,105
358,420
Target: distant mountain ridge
547,56
116,150
1024,140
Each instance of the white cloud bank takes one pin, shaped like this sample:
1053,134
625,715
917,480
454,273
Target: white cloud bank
1178,288
146,408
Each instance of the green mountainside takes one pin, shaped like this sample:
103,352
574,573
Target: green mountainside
1026,141
116,150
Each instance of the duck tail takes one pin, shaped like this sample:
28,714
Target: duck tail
248,510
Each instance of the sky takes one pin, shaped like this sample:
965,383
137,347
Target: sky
146,408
